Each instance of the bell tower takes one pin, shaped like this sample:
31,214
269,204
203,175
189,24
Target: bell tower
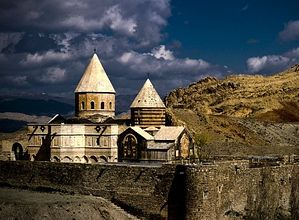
94,94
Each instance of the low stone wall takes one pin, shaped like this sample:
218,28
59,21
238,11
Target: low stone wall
220,190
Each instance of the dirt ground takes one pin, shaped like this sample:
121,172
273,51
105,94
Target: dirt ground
19,204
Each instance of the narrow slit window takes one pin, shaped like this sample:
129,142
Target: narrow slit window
102,105
110,105
92,105
82,105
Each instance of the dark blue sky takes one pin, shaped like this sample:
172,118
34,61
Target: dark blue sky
46,45
229,32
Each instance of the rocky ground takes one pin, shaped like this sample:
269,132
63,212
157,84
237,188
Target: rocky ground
23,204
242,114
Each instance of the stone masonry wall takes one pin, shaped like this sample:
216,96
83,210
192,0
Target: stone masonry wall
234,190
140,190
221,190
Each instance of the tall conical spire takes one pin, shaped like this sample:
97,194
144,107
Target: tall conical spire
95,78
147,97
95,95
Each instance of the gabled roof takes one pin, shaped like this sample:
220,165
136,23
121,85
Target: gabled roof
168,133
143,133
95,78
147,97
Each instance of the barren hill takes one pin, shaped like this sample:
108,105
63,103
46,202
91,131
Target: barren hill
242,114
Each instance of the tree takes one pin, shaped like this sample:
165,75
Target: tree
200,145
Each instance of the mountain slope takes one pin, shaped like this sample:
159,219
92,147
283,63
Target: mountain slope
34,106
243,96
242,114
16,112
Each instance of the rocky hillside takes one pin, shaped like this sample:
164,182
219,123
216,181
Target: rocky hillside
242,114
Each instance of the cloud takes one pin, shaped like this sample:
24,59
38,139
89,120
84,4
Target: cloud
117,22
294,53
53,75
162,65
18,81
161,52
9,38
290,31
139,20
161,61
45,58
273,63
45,46
256,64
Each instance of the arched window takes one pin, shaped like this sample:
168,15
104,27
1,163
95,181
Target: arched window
110,105
17,150
92,105
82,105
102,105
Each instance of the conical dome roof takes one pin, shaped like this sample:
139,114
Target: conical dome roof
147,97
95,78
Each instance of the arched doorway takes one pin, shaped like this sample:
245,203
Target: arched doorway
17,151
130,147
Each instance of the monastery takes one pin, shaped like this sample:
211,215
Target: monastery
95,135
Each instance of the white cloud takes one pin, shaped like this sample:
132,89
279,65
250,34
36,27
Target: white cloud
75,4
293,53
291,31
117,22
162,63
127,57
80,22
47,57
162,52
256,64
273,63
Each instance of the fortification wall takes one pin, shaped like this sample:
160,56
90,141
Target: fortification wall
221,190
235,190
141,190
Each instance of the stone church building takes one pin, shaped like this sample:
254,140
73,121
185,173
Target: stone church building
148,139
94,135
